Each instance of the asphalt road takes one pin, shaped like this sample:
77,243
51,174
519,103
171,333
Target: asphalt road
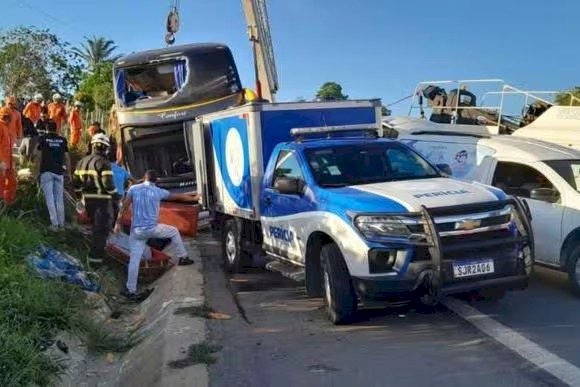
278,337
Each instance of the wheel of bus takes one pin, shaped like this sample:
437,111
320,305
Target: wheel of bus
573,266
235,258
339,296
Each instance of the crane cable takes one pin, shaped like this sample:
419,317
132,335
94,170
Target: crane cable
172,24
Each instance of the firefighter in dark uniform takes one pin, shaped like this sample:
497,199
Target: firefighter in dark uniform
93,179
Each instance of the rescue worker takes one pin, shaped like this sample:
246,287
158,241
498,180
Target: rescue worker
93,180
75,123
5,148
15,126
57,111
144,200
8,181
33,109
93,130
53,166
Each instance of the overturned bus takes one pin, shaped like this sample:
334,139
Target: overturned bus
158,93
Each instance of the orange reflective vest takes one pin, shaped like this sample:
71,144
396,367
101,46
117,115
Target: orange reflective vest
57,113
5,145
32,111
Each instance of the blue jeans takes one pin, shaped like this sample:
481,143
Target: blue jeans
53,187
138,241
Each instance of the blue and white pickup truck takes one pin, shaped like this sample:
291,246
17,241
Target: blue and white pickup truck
313,185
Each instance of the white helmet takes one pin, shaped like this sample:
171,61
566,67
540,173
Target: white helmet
100,138
78,103
38,97
57,96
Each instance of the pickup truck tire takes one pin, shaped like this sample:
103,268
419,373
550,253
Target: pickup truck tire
573,269
235,259
339,296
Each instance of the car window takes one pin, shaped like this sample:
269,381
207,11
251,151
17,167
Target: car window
368,163
569,170
519,179
287,166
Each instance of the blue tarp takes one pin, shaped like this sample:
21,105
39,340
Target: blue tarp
51,263
180,72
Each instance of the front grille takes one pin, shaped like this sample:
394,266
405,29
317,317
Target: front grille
486,222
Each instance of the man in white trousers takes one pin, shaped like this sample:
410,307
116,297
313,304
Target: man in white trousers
144,200
53,165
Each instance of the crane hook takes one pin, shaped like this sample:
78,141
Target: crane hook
172,25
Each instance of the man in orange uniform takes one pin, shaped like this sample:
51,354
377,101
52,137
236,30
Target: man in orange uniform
57,112
8,181
33,108
75,123
15,126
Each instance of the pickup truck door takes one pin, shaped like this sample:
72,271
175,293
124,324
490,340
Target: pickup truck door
285,216
518,179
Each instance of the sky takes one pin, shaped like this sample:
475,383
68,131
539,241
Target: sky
373,48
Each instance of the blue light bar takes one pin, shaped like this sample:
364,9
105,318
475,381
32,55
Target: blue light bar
331,129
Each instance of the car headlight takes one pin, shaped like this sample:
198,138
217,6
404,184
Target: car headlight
372,226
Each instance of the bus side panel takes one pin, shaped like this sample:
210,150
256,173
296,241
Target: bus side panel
276,124
231,152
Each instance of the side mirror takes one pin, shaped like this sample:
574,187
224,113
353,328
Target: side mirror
445,169
549,195
289,185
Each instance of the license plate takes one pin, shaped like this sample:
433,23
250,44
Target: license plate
469,269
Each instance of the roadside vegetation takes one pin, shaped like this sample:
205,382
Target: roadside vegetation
33,310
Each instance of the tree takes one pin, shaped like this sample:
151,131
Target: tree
34,60
97,50
96,89
331,91
564,98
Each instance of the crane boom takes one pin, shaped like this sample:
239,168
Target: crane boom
264,62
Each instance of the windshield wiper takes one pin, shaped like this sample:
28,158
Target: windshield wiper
333,185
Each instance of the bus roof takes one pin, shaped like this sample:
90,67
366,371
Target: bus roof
141,57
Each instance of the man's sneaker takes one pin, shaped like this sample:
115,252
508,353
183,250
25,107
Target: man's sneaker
184,261
136,297
54,228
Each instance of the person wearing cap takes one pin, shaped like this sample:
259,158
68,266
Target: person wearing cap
15,126
33,108
75,123
93,181
57,111
145,199
53,165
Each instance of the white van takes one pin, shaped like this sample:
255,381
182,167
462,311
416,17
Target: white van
545,175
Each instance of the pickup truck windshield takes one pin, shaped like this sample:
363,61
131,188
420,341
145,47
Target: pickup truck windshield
569,170
339,166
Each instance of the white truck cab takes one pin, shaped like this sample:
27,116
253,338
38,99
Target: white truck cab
545,175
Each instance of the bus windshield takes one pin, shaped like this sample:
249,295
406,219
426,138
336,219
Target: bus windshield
198,76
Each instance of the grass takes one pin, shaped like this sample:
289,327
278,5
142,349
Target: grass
202,353
33,310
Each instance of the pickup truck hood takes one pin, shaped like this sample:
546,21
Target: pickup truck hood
412,194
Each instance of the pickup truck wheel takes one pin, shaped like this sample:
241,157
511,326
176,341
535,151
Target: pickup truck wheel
234,257
339,296
573,266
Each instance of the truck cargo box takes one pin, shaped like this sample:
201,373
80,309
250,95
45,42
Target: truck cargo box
232,147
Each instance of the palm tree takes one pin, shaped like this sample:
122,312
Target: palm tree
97,50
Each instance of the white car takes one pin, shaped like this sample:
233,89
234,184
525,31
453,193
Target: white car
545,175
